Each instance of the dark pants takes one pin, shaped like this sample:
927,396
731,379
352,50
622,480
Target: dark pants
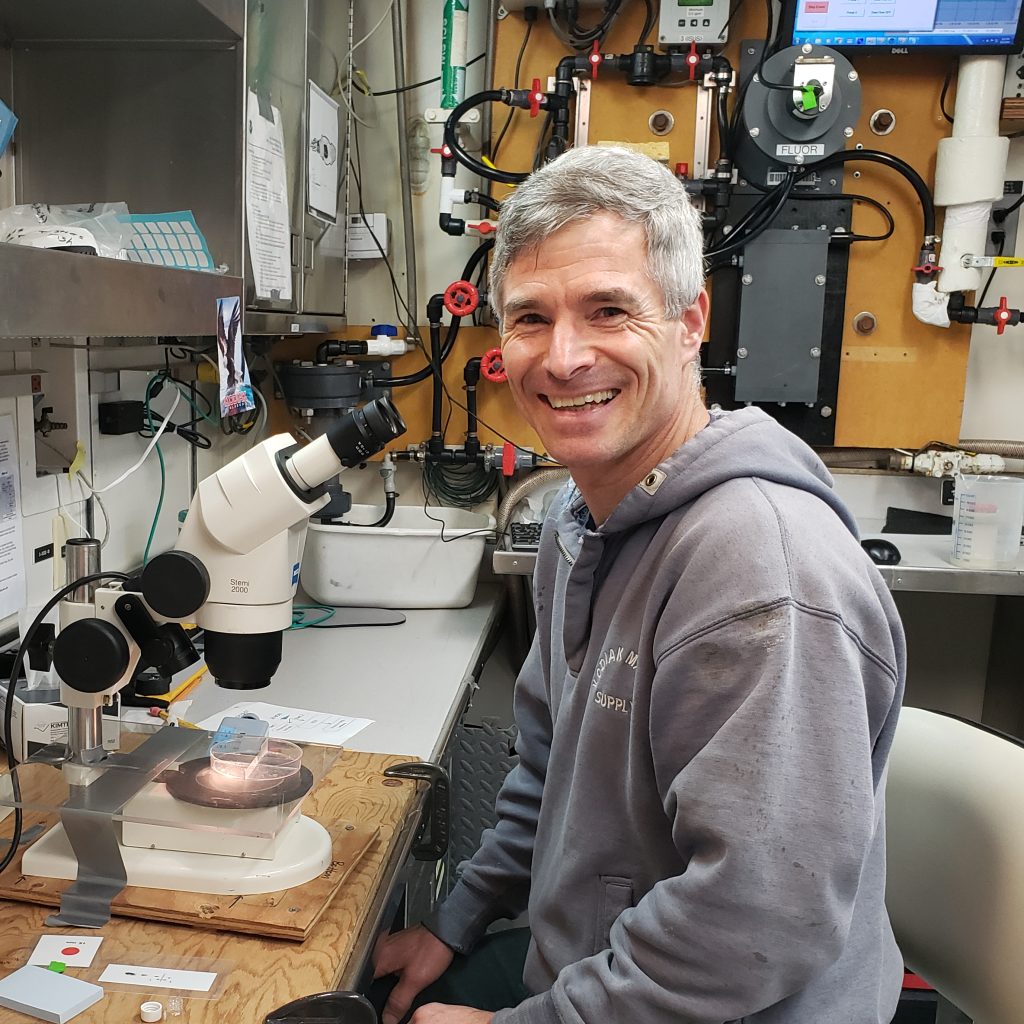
490,978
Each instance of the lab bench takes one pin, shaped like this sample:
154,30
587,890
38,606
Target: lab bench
414,681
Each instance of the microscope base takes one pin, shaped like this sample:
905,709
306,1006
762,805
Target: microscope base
304,853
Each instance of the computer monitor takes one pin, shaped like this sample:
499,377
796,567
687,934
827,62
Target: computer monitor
906,26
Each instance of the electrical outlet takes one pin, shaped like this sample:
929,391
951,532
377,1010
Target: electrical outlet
1012,191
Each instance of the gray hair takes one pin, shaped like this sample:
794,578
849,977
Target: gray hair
597,179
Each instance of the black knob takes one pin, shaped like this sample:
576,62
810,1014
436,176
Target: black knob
90,655
175,584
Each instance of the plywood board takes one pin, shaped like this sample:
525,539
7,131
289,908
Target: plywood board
288,914
883,401
355,793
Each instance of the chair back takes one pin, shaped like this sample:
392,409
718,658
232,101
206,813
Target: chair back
955,851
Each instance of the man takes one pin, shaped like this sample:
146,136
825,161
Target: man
697,818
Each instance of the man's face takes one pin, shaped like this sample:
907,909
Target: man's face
594,366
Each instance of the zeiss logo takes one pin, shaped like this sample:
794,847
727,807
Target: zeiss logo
899,49
295,573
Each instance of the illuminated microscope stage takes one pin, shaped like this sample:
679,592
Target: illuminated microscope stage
223,824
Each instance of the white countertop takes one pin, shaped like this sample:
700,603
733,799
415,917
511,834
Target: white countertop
926,565
410,679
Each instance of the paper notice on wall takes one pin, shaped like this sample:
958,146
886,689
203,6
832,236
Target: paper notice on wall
12,556
266,201
322,160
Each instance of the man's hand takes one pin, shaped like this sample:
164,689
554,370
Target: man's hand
419,958
439,1013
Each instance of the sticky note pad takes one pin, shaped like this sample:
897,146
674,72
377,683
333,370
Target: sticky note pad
47,995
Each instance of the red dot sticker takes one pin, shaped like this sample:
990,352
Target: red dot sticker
70,950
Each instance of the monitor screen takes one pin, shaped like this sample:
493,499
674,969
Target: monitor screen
978,26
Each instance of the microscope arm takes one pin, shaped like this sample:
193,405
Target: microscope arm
233,570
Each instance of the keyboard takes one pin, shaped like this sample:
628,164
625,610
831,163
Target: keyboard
525,536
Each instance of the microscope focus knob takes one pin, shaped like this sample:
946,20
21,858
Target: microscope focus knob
90,655
175,584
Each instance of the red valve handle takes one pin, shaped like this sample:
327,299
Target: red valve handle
483,227
693,59
536,98
595,59
1002,315
461,298
444,151
508,459
492,366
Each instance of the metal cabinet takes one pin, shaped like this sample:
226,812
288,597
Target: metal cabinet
290,44
146,103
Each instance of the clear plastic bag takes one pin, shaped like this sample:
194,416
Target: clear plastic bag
82,226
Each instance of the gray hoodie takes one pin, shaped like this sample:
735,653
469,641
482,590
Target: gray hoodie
697,819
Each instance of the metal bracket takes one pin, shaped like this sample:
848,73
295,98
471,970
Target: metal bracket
432,841
818,71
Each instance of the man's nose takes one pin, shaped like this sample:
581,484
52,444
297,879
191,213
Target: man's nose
569,352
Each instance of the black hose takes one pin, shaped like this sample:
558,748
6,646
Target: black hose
724,147
471,378
888,160
436,442
451,140
478,254
389,511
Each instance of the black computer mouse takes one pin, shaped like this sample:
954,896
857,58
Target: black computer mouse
881,552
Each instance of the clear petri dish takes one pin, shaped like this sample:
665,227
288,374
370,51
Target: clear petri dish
236,765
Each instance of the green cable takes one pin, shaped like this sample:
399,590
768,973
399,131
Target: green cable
299,618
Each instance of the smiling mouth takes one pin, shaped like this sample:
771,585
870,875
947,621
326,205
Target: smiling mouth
591,399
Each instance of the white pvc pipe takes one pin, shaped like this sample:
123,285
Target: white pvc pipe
969,170
979,97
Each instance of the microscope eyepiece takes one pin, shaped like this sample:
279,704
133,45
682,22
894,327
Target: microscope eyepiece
365,431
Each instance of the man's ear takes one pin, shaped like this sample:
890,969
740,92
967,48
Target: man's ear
694,319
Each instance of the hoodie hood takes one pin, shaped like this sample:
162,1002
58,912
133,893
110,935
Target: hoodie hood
745,443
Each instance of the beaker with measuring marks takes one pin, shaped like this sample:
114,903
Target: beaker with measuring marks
988,513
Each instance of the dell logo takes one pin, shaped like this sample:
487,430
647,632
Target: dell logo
899,49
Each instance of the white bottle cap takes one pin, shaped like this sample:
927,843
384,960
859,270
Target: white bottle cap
151,1012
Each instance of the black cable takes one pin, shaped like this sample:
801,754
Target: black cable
728,21
515,85
756,220
984,292
945,91
1001,214
649,20
12,682
396,292
451,140
854,197
428,81
769,38
581,38
892,162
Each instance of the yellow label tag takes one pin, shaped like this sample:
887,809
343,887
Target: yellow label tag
78,461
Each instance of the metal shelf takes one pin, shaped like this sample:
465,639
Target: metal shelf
45,293
111,21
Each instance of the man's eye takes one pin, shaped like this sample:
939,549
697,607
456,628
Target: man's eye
529,318
610,311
